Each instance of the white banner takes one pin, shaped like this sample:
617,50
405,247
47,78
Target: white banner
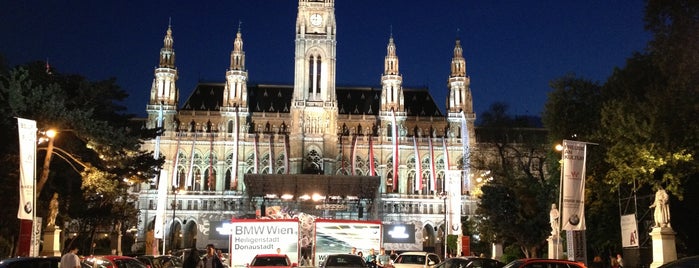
573,207
27,164
161,206
252,237
453,188
629,231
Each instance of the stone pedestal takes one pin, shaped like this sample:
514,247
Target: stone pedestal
555,247
664,250
497,251
52,242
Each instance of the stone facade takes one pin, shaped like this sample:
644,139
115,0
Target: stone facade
226,130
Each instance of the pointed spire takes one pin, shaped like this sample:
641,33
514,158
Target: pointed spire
458,63
391,61
167,53
238,55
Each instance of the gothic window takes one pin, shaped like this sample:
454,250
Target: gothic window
265,165
230,126
281,164
361,167
210,179
196,177
426,176
250,163
229,177
314,162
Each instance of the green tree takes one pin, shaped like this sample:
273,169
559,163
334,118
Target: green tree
99,143
513,206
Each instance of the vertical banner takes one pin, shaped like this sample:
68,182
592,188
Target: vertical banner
27,164
629,231
190,173
161,206
396,159
573,188
453,187
234,160
418,169
433,173
372,167
465,142
175,173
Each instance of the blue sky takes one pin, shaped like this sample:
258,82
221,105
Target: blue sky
513,49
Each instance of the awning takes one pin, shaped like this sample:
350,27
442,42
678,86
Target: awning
363,187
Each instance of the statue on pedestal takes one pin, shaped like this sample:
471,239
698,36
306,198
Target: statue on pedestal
53,211
661,215
553,219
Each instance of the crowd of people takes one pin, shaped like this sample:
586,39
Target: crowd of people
381,260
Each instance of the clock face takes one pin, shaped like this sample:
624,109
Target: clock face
316,19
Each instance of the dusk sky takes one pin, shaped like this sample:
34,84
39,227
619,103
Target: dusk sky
513,49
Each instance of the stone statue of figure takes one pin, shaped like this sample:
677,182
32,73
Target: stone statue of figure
661,215
553,219
53,211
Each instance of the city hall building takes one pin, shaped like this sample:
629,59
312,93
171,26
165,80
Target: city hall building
236,150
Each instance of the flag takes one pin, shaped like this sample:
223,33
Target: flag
210,180
189,181
372,168
418,167
156,150
27,164
286,153
353,156
573,207
433,176
466,153
446,154
159,224
255,165
175,174
396,159
271,154
234,168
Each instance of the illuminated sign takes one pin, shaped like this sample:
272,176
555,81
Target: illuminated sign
252,237
399,233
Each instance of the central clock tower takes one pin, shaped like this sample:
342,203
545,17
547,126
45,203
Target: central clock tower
313,133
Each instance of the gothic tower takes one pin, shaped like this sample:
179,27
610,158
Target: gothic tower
164,93
392,110
313,133
460,99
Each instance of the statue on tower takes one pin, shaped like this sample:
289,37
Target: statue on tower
553,219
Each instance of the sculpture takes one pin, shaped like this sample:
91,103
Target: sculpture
553,219
661,215
53,211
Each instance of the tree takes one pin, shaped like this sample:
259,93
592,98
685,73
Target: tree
96,135
514,206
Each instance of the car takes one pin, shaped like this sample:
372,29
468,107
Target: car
162,261
112,261
692,261
470,262
271,260
416,259
544,263
343,260
31,262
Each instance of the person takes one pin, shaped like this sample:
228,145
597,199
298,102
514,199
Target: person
53,211
383,260
614,262
553,219
597,262
192,260
353,251
619,260
211,260
661,214
70,259
370,259
279,251
393,255
360,254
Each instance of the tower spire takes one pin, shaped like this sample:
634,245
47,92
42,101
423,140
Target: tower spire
391,80
459,83
167,53
235,92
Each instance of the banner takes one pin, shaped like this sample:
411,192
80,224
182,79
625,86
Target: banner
573,206
396,159
629,231
453,187
418,169
465,142
27,164
161,205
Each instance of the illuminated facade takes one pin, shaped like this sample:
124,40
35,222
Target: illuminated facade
224,131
